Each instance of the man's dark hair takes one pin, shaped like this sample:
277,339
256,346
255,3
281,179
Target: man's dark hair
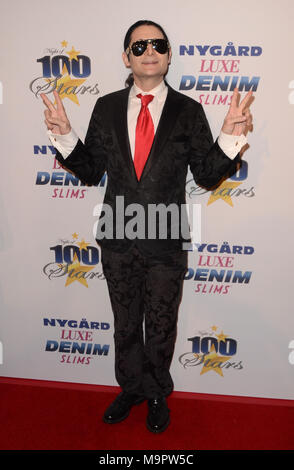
130,80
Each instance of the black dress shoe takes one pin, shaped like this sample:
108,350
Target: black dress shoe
121,407
158,415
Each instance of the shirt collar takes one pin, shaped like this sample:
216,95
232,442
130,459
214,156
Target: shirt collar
158,91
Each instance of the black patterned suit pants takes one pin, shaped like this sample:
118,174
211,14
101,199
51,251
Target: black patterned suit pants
145,293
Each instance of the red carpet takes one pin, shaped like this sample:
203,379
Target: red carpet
40,415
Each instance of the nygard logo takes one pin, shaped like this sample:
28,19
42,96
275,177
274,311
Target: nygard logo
76,343
217,268
59,183
219,71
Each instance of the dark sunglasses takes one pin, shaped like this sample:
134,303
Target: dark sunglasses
139,47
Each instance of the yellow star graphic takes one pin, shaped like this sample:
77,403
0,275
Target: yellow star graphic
76,271
214,328
66,86
221,337
64,43
73,54
223,192
83,245
75,235
214,362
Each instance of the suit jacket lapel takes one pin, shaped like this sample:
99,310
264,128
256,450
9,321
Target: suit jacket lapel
165,126
166,123
121,128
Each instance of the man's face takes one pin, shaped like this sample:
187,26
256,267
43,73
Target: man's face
150,64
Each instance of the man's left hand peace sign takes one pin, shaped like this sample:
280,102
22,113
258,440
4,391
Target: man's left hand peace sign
238,119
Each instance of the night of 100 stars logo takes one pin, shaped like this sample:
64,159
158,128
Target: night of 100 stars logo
212,351
74,261
65,70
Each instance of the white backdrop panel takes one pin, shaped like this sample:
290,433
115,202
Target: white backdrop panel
235,320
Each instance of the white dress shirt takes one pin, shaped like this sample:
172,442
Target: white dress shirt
155,108
230,144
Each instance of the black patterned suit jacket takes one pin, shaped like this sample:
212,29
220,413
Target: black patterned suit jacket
183,139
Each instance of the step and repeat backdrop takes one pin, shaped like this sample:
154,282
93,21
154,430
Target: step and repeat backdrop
236,326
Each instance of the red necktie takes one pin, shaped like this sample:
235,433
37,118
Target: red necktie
144,134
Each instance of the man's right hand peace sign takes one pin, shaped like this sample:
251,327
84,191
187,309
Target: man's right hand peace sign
56,119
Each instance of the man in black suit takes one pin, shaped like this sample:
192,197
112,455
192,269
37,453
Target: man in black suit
145,137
